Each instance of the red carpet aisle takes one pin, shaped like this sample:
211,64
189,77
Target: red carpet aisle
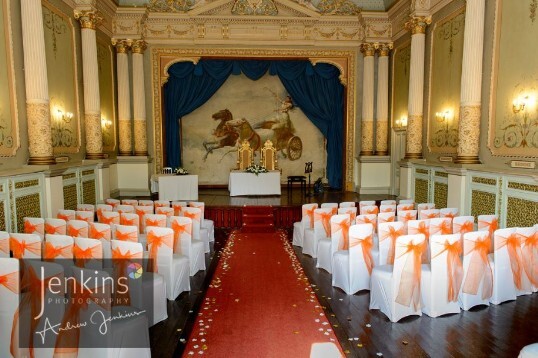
259,304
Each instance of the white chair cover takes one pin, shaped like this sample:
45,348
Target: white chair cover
178,206
112,202
366,203
404,207
387,208
441,281
386,217
388,233
406,202
102,207
34,226
125,208
322,231
125,233
77,228
326,248
405,216
198,232
130,219
87,216
66,214
488,223
449,212
9,301
530,351
506,279
348,204
424,206
145,203
103,233
333,206
440,226
58,247
161,204
86,207
25,246
142,211
351,211
395,289
369,209
174,268
132,202
110,217
415,227
428,214
529,248
184,244
352,268
4,244
462,225
388,202
55,226
477,286
88,253
307,222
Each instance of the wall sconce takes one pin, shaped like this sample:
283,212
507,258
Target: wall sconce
520,103
64,117
444,116
62,136
106,124
401,123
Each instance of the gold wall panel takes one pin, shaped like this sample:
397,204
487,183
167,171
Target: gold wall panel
521,186
482,203
441,174
2,215
521,213
69,176
27,206
421,171
487,181
88,172
70,197
440,195
9,124
60,53
445,83
26,184
88,192
107,90
511,133
400,81
421,191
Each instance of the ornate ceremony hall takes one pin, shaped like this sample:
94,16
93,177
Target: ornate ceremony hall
268,178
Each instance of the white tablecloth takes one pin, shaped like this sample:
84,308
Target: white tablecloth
242,183
175,187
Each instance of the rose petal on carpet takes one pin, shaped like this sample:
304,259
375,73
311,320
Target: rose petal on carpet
260,304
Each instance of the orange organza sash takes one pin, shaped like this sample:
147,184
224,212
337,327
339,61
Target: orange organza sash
409,290
4,246
126,236
366,243
51,229
374,210
120,262
73,231
150,222
432,215
310,214
454,270
154,242
9,281
51,252
393,234
492,226
178,230
344,226
108,220
390,219
96,234
195,216
68,340
20,247
530,257
465,227
326,222
479,268
450,215
407,217
513,247
128,222
63,217
444,228
84,255
177,209
31,285
30,228
366,220
406,207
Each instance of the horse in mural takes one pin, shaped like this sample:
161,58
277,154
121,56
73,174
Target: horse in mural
223,135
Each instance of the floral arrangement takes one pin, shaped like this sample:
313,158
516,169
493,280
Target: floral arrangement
256,169
181,171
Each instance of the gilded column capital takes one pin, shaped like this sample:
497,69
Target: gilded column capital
384,48
122,46
88,19
418,24
368,49
139,46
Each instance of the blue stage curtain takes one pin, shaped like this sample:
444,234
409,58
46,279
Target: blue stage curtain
315,89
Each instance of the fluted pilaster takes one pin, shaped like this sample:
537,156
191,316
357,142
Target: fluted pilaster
124,97
417,26
92,103
382,113
367,124
139,99
471,83
37,91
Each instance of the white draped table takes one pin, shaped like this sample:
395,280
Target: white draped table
175,187
243,183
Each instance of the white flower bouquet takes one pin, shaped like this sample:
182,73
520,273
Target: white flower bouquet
256,169
181,171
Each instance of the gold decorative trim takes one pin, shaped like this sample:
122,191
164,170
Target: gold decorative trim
384,48
88,172
161,57
70,197
69,176
368,49
486,181
88,19
467,160
421,190
524,187
422,171
441,174
26,184
418,24
139,46
122,46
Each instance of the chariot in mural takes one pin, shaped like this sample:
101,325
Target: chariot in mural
278,128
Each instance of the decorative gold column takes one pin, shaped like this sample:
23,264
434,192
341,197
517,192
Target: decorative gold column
382,120
139,99
124,97
471,83
417,26
367,123
92,104
37,89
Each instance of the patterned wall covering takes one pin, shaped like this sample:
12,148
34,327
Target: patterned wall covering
88,192
445,83
482,203
440,196
62,79
515,79
400,82
70,197
3,215
27,206
421,191
9,131
521,212
105,63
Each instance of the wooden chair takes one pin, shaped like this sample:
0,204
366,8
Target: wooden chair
268,156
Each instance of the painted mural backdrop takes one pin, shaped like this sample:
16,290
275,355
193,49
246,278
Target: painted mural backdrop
400,86
514,122
445,83
9,137
105,67
62,77
256,111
